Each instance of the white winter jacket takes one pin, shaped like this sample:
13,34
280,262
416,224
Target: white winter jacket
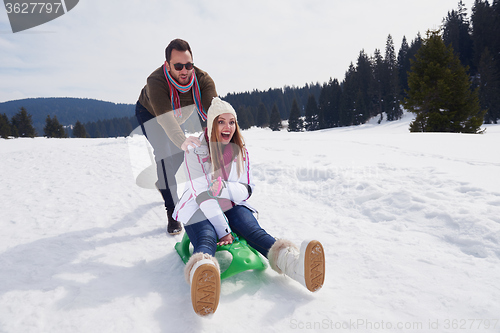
198,173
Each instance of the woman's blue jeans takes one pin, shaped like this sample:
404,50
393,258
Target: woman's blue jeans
242,222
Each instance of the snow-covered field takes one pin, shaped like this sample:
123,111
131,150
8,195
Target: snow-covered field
410,224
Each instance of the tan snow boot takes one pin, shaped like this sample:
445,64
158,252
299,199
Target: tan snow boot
202,272
306,265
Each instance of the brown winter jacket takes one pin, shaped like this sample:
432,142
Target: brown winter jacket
155,97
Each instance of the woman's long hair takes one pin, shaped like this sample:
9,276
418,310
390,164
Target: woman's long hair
217,149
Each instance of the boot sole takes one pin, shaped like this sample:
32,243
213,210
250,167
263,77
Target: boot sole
205,289
314,266
173,233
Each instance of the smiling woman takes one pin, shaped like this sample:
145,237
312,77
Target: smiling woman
225,139
226,127
214,209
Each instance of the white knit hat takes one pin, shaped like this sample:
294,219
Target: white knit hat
217,108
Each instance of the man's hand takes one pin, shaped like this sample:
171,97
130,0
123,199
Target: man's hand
191,141
228,239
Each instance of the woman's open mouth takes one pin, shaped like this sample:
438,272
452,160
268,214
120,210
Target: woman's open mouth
226,135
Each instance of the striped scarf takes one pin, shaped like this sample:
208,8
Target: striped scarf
175,87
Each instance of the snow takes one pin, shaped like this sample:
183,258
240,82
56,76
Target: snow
410,224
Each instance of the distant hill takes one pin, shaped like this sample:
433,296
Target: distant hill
67,110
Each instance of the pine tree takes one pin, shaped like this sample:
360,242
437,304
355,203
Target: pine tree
250,116
403,66
22,124
5,129
79,130
49,128
14,131
485,35
245,117
489,87
312,119
53,129
381,82
110,128
59,130
349,94
440,91
275,119
262,116
101,129
295,123
456,31
242,118
323,104
329,104
483,25
364,94
391,97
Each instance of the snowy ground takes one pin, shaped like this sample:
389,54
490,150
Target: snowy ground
410,224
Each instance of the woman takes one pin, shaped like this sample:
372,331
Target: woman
215,204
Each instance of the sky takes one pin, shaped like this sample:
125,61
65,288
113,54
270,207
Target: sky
106,49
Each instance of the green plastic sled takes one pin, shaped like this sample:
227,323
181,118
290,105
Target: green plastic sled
244,256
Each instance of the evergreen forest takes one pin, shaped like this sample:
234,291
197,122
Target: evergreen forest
377,84
380,85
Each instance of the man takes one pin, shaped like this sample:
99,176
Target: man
172,93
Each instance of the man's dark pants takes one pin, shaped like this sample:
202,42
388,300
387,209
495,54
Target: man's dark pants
168,156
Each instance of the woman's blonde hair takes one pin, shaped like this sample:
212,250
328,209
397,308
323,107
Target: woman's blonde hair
217,149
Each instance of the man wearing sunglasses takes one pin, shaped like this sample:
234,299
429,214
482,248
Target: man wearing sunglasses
172,94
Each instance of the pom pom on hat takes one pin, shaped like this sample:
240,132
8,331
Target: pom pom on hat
217,108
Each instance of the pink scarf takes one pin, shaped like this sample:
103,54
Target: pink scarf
227,155
228,158
226,204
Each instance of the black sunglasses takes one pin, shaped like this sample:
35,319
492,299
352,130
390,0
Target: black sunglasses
179,66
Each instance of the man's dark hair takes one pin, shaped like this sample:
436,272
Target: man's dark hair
179,45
